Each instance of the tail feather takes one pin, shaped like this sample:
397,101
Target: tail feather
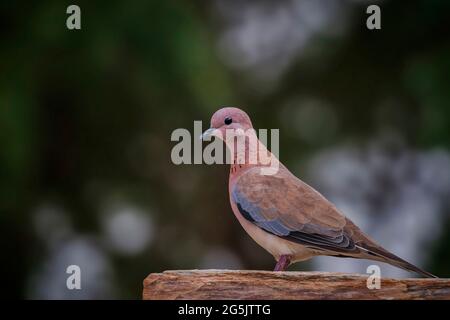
385,256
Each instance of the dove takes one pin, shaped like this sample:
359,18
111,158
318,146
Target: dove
283,214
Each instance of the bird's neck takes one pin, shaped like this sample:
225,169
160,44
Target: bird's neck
254,154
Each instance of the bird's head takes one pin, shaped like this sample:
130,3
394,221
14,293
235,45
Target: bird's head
227,119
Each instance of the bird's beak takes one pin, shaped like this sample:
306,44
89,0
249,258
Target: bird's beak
208,134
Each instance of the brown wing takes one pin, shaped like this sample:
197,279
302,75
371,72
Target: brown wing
289,208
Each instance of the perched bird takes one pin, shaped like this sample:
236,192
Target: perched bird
284,215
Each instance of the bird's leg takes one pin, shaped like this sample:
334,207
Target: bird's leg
283,263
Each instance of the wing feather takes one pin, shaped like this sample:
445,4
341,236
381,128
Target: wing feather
285,206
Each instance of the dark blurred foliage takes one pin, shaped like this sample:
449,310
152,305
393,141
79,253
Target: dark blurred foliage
86,116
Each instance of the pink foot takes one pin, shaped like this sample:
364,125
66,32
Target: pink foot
283,263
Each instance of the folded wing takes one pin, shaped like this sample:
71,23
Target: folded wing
285,206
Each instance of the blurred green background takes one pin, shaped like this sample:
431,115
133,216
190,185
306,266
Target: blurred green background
86,117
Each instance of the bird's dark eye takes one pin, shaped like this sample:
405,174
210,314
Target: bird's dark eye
228,120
